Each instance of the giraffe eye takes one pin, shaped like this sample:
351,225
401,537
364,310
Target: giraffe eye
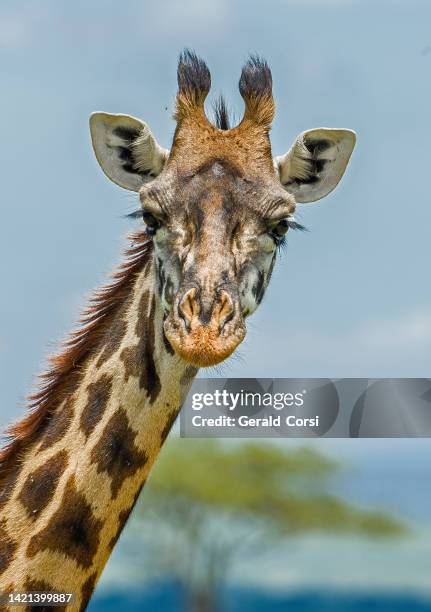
279,230
152,223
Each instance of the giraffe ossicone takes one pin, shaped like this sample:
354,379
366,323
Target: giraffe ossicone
215,207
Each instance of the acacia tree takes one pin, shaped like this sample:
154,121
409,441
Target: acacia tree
208,504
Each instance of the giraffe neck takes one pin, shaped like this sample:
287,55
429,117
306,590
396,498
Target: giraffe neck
63,506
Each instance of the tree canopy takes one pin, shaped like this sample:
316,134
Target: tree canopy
289,488
207,503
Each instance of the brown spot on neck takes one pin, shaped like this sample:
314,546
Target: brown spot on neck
73,530
99,393
7,485
115,453
87,590
168,425
139,359
41,585
41,485
7,548
115,334
123,517
57,425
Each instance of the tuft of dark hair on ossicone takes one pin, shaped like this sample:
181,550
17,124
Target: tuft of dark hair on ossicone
193,74
256,78
255,86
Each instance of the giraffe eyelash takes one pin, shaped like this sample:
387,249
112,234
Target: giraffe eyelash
152,222
136,214
292,224
280,228
280,239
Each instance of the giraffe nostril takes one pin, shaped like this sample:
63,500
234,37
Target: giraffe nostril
189,307
226,309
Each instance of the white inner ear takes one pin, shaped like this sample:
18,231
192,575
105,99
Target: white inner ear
126,149
314,165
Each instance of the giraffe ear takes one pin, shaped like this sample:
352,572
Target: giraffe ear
314,165
126,150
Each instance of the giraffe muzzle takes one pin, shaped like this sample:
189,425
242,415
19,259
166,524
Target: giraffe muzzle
205,330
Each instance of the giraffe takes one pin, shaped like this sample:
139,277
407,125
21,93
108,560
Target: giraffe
215,209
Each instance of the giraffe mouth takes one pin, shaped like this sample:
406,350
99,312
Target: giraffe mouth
203,345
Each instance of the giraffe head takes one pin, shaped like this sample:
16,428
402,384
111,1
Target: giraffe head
217,204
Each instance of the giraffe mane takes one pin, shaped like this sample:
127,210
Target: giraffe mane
58,380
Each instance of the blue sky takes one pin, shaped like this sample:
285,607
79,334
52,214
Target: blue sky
350,298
